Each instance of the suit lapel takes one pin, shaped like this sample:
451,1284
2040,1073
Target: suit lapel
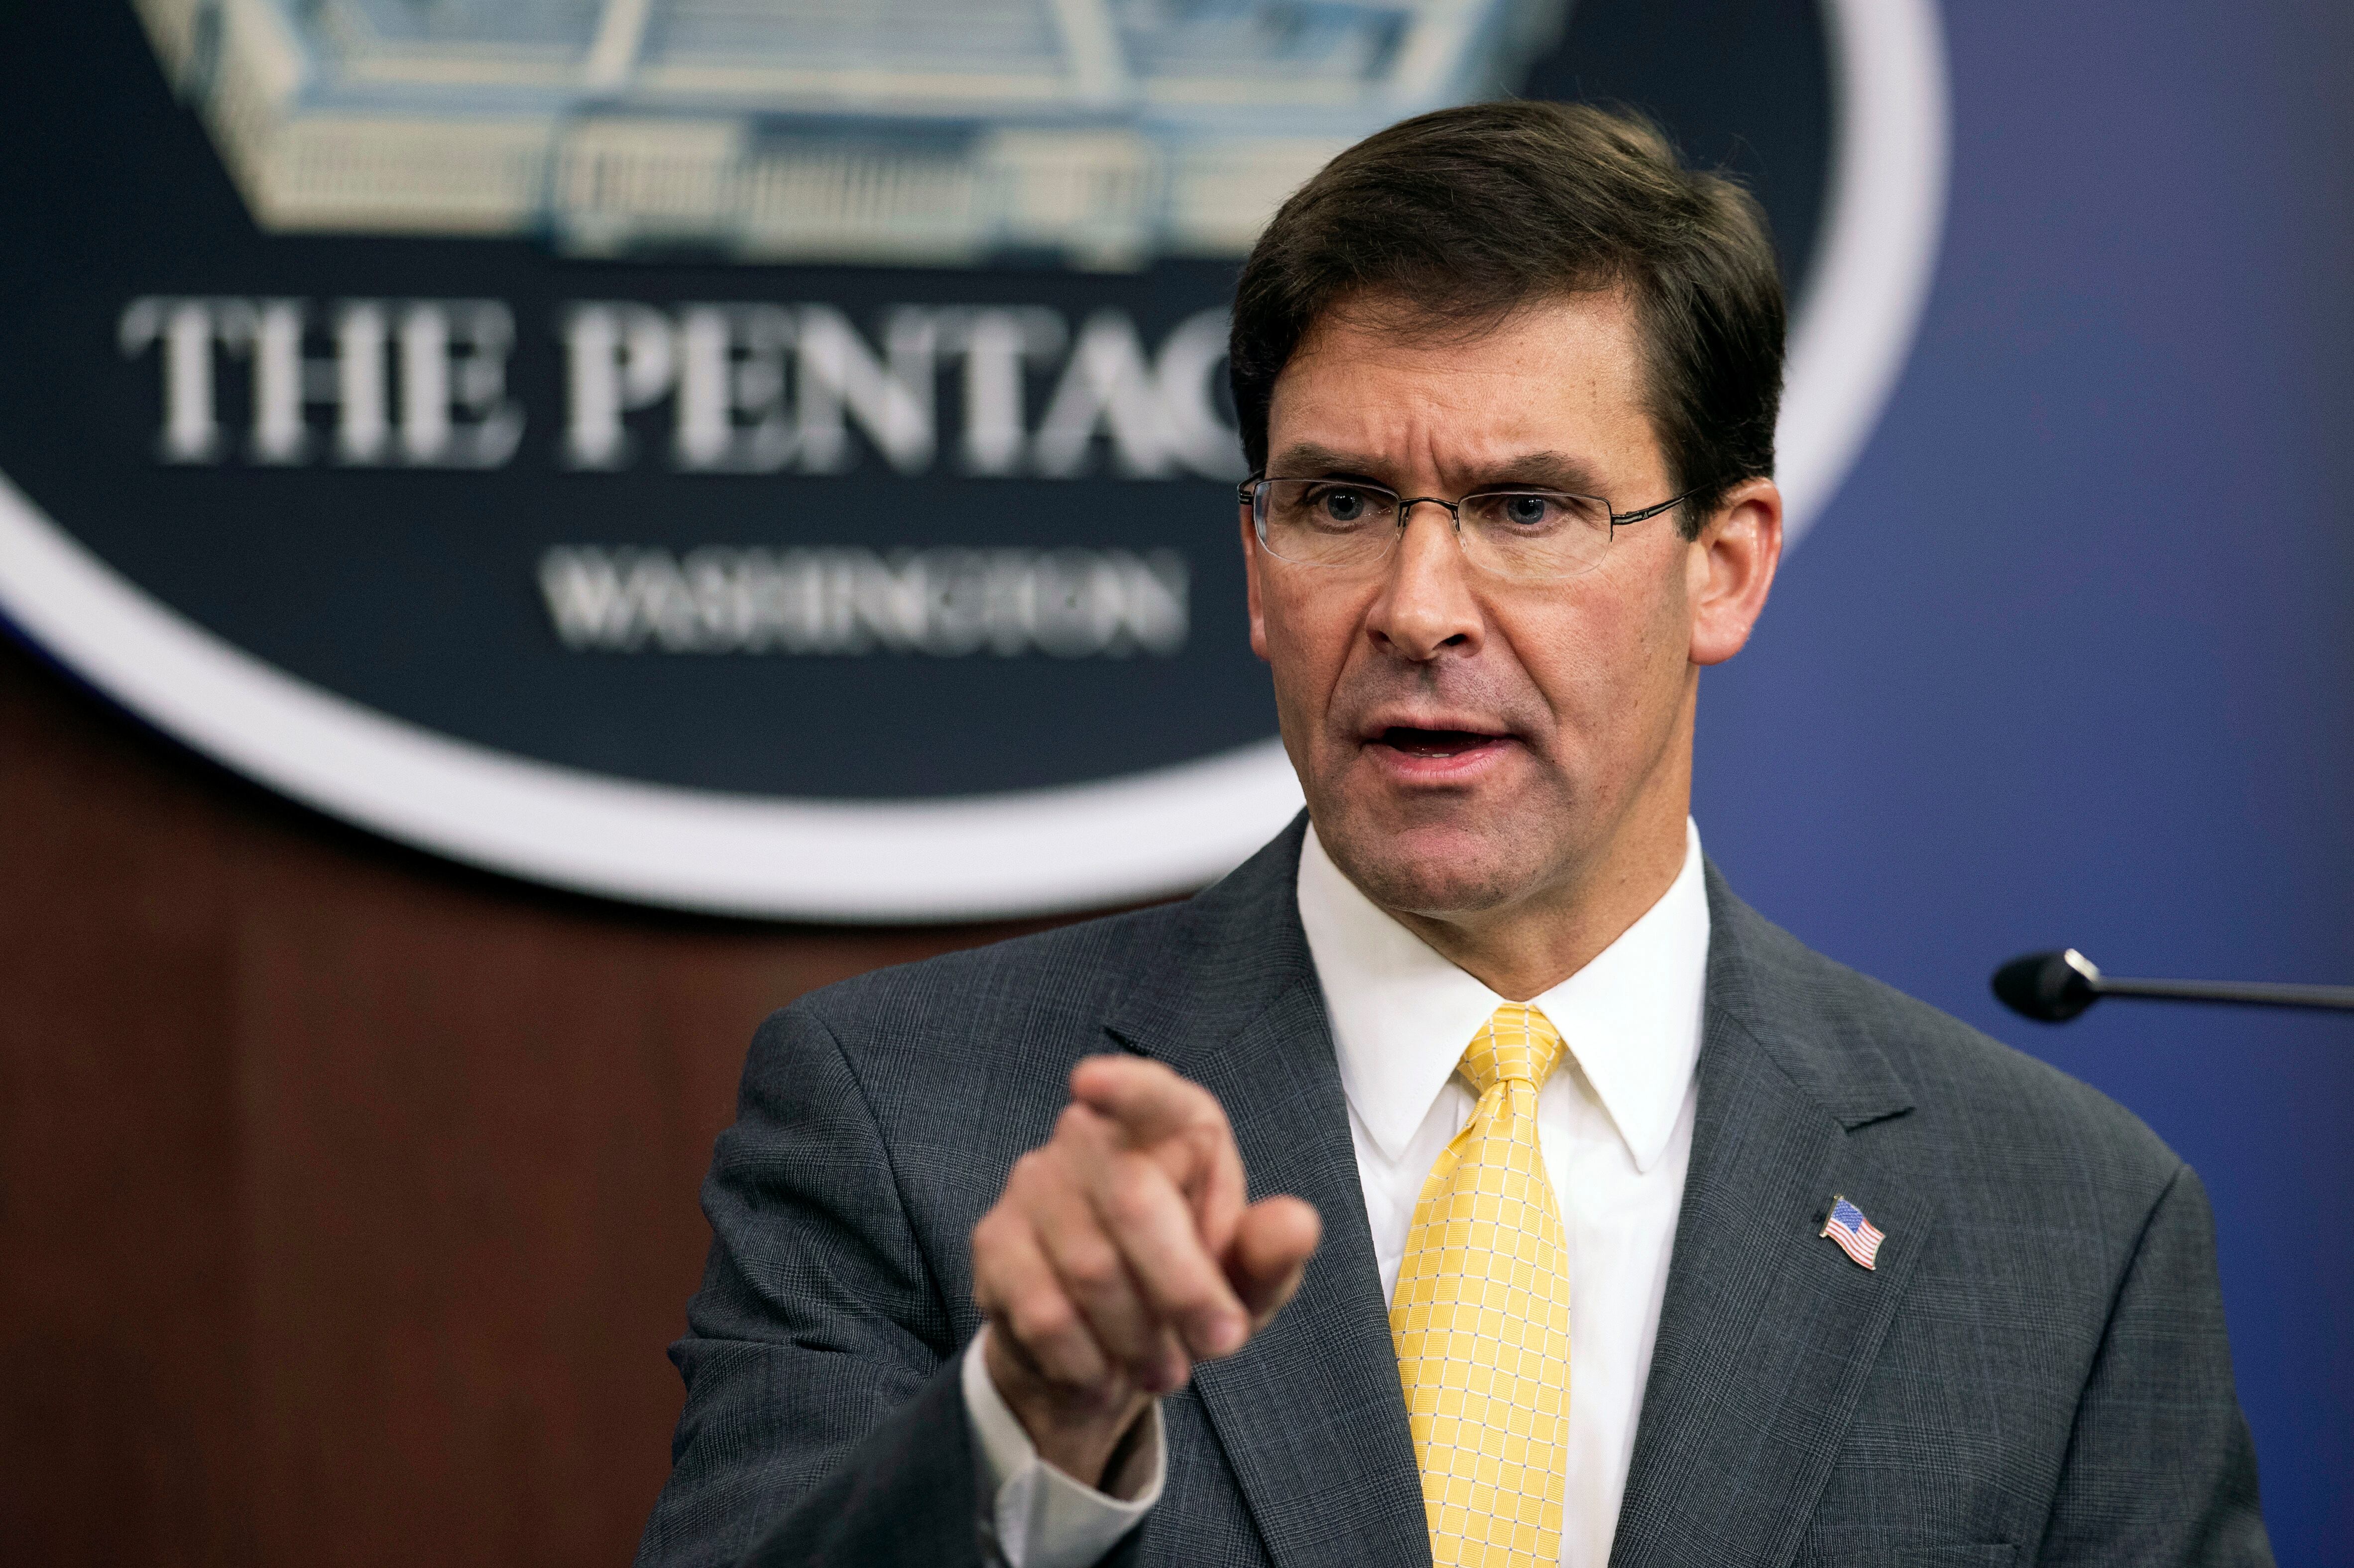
1769,1330
1310,1413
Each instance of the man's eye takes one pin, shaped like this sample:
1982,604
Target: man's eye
1342,505
1528,511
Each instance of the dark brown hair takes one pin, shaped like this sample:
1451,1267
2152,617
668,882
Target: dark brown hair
1451,221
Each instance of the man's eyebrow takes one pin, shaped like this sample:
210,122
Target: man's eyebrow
1540,470
1309,460
1536,470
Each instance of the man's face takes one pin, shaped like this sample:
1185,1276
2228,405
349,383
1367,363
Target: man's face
1467,741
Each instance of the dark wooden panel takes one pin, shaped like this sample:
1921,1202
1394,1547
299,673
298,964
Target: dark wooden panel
347,1197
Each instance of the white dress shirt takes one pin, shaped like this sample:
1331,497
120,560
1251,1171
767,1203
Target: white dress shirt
1614,1123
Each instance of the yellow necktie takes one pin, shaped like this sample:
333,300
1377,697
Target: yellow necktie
1481,1317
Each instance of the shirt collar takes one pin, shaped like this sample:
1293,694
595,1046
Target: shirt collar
1402,1014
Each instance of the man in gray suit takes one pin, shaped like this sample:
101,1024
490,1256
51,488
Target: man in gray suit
1596,1220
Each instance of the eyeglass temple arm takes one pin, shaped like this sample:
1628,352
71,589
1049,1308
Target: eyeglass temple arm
1620,519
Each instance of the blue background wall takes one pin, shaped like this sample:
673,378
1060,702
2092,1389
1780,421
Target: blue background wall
2071,658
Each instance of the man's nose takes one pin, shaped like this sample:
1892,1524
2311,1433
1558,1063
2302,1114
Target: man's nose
1426,603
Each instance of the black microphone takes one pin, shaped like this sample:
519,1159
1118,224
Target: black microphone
2052,988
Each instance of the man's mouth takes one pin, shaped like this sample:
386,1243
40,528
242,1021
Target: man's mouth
1435,743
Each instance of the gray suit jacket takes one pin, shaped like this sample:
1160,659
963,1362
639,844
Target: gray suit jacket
2035,1373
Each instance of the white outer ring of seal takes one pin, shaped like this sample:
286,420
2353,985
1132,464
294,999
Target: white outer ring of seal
1074,847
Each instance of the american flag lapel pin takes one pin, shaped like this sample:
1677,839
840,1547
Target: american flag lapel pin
1857,1236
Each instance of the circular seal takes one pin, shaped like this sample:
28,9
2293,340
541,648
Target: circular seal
571,441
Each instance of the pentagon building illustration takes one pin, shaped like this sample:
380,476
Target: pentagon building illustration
1101,134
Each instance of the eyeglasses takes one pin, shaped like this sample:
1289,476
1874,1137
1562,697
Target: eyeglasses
1531,535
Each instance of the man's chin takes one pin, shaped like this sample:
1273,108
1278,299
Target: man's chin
1433,869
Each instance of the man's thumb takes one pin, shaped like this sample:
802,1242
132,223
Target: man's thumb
1270,1253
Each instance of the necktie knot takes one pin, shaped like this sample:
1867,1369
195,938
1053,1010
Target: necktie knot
1517,1043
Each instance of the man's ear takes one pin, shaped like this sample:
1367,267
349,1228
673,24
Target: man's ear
1730,569
1250,584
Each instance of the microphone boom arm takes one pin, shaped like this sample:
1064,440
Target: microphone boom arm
2250,993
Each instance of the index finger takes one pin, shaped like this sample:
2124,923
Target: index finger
1151,1104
